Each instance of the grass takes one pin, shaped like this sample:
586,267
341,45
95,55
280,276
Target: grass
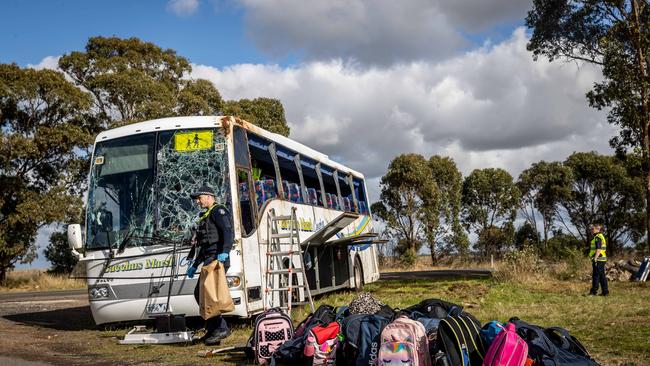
615,329
38,280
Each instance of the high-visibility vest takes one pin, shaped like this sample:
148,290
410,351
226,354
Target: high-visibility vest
603,248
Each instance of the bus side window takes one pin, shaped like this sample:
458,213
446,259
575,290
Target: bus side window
331,193
245,203
262,170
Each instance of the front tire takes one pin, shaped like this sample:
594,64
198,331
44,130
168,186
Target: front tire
358,275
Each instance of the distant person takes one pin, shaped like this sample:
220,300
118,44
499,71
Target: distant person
214,238
598,257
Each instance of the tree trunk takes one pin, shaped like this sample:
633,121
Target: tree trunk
432,248
3,275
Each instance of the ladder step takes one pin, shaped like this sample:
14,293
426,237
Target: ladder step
282,271
281,218
287,288
283,253
281,235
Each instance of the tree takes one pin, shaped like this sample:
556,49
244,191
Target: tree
59,254
408,197
44,119
602,191
542,186
614,35
448,233
131,81
490,201
264,112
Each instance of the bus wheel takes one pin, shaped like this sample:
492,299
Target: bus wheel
358,275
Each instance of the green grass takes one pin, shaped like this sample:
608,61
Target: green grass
615,329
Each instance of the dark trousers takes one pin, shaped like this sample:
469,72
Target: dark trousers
216,323
598,277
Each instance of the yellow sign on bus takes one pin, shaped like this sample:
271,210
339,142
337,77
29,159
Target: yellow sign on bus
193,140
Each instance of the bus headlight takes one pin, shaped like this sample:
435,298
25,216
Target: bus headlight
233,281
100,292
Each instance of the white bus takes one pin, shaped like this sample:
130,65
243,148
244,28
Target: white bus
138,206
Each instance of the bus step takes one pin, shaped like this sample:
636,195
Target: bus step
282,218
281,235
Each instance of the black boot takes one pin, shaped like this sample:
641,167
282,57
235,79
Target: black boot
216,337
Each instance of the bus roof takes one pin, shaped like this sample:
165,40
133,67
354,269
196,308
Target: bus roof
174,123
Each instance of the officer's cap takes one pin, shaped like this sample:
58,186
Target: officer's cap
203,190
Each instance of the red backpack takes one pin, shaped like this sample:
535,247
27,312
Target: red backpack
322,344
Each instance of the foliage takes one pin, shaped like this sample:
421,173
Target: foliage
409,197
44,124
602,191
526,235
264,112
542,186
518,264
448,234
490,201
59,254
613,34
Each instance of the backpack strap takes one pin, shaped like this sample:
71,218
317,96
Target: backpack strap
570,340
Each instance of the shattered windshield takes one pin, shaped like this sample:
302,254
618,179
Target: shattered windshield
140,187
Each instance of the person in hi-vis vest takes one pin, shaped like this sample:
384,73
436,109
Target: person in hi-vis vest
598,257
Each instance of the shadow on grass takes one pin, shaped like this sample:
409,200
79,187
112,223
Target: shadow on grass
77,318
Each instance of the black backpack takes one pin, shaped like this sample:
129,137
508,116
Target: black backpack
553,346
434,308
459,339
361,339
291,351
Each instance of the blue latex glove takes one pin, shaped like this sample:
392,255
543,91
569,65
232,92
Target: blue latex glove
223,257
190,272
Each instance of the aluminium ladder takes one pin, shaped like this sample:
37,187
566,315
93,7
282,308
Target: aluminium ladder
282,279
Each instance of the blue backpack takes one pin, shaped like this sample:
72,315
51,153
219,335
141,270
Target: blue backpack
490,331
361,339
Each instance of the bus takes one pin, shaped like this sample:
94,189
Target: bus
133,248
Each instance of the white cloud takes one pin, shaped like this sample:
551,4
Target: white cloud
377,32
183,8
491,107
49,62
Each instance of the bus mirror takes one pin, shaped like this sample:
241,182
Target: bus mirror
74,236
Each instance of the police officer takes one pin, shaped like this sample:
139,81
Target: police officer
214,238
598,257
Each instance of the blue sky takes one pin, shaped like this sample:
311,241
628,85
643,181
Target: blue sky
360,80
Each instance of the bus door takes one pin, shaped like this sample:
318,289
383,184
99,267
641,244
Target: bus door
247,207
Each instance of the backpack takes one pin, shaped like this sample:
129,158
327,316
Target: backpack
507,349
553,346
403,341
361,339
322,344
459,339
435,308
291,352
365,303
272,328
490,331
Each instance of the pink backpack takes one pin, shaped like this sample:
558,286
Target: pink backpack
404,341
272,329
507,349
322,344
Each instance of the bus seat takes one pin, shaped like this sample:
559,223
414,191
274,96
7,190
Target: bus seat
331,202
285,189
244,194
347,204
269,189
362,207
313,198
259,192
294,193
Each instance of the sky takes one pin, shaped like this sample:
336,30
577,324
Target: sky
361,80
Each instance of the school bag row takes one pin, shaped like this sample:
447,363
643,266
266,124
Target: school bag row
431,333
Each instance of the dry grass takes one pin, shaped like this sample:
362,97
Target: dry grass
423,263
38,280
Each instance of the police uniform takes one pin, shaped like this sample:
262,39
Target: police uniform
598,277
214,236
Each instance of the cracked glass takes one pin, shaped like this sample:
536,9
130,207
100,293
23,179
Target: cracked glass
138,191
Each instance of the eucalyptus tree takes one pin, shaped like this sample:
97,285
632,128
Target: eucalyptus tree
489,207
45,122
409,203
614,36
